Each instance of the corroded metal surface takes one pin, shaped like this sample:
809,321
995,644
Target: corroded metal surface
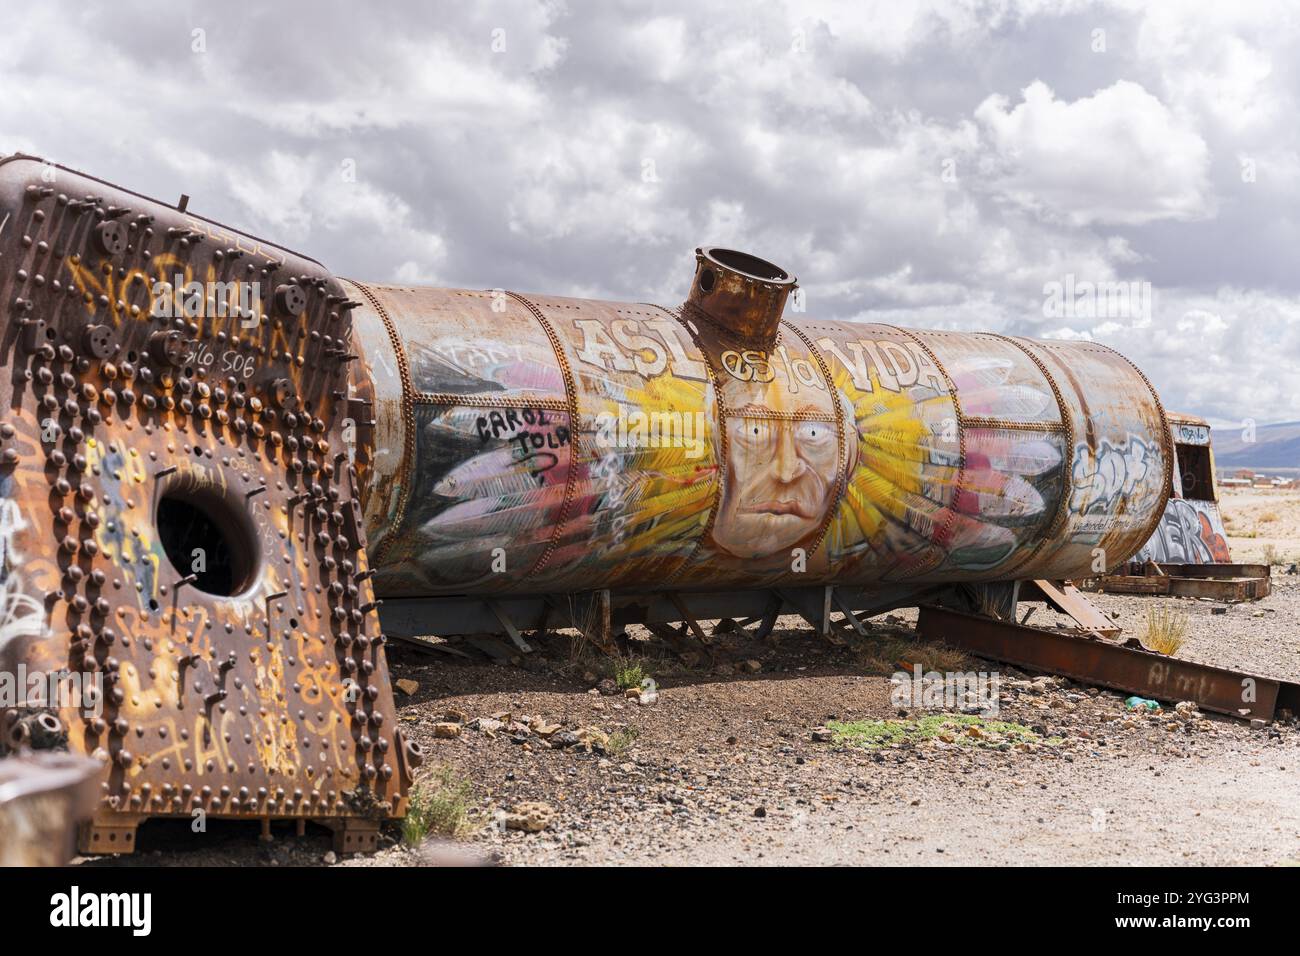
180,519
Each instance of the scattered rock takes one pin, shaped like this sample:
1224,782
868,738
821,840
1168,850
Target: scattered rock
455,716
533,817
632,693
1186,710
607,687
1257,724
330,858
564,738
593,738
487,725
408,687
752,666
760,811
822,735
446,729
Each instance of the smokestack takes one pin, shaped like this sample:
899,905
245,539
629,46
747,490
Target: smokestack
740,294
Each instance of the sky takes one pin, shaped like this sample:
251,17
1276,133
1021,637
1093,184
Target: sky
1122,172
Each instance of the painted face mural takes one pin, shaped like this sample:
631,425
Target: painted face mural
782,458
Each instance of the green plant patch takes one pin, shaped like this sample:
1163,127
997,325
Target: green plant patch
966,730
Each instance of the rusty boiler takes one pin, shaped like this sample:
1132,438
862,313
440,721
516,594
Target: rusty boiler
537,444
218,459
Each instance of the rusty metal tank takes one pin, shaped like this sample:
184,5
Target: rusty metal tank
538,444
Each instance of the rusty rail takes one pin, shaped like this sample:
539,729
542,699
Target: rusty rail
1120,667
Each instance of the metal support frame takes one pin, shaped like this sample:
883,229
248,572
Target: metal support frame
1230,583
600,614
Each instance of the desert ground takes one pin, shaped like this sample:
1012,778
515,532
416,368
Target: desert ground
1258,519
790,750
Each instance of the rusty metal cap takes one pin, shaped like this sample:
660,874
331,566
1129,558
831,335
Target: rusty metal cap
739,293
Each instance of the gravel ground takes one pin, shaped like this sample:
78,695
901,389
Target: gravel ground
723,766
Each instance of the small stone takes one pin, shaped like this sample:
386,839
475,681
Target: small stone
330,858
607,687
455,716
1258,724
752,666
533,817
487,725
408,687
593,738
446,730
822,735
632,693
760,811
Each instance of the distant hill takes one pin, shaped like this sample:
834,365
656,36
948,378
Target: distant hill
1275,446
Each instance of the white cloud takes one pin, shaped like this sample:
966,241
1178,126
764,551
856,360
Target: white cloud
1116,157
931,164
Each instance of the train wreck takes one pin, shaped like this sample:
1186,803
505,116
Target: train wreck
218,510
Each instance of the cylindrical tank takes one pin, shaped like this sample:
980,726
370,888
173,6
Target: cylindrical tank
532,443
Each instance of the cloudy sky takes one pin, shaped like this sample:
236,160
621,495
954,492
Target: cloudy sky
943,166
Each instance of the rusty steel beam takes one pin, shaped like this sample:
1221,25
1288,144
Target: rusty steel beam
1121,667
1066,598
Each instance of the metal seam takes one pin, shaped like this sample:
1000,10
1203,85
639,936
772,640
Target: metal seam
1067,461
784,416
571,399
951,518
842,455
720,403
1166,445
488,400
408,422
1017,425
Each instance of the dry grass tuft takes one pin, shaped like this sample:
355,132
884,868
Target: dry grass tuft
439,807
1166,629
888,654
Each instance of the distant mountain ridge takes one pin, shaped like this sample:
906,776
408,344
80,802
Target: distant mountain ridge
1275,446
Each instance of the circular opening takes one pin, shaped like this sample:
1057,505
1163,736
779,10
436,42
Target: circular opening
207,535
707,278
749,265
